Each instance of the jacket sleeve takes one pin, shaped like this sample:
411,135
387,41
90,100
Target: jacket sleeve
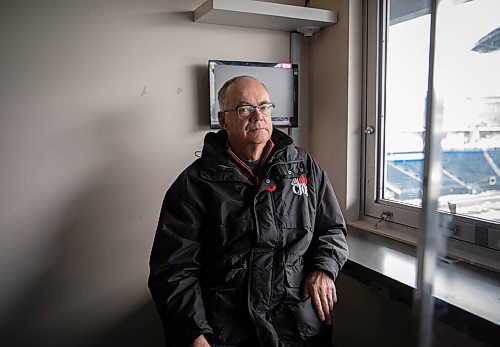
174,269
328,250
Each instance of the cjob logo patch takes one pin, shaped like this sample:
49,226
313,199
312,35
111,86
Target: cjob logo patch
299,185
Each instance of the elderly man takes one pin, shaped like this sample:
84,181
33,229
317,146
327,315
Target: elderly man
250,237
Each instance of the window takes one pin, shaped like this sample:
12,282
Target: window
467,90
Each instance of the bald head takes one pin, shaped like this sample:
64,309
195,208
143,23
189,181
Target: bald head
222,95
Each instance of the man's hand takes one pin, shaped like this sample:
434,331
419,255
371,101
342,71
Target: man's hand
200,342
320,286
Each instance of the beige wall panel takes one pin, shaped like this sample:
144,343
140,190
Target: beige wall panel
102,104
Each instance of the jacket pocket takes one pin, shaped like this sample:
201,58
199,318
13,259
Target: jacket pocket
294,273
308,322
297,320
219,307
226,314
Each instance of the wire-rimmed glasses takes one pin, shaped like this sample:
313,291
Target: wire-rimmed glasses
244,111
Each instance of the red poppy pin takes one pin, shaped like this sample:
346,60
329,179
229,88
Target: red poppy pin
271,189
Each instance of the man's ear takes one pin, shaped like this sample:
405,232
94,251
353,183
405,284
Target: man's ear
222,119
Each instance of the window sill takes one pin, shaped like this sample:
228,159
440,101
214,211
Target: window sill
456,250
469,293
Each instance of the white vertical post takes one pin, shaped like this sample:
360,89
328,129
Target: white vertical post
430,240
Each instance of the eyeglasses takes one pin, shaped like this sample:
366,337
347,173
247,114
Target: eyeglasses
244,111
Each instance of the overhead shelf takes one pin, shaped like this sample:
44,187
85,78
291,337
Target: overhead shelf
263,15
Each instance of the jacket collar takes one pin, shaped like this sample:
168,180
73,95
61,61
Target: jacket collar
220,165
245,169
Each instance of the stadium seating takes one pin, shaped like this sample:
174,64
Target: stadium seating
465,172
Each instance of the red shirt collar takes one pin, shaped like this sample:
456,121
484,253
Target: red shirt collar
245,168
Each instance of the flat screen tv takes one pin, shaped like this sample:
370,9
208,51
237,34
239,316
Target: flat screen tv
281,80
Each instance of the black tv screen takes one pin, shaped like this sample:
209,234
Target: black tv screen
281,80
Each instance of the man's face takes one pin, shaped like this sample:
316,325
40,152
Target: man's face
253,130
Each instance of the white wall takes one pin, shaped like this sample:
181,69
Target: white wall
102,104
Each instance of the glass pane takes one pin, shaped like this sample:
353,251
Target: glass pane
407,57
467,75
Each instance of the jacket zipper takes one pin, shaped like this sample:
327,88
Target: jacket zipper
278,239
250,269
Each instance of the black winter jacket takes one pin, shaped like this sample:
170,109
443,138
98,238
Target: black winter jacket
229,255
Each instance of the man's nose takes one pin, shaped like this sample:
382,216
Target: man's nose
256,115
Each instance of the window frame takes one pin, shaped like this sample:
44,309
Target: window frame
468,231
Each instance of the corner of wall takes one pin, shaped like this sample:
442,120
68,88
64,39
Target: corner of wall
335,97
